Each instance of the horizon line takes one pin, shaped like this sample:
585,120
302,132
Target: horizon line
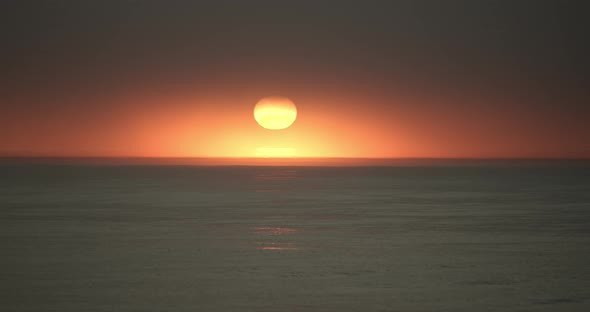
280,162
293,158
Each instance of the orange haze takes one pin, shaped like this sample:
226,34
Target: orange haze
328,125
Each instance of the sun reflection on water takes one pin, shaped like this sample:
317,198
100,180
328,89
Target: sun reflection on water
274,180
275,230
278,181
272,235
276,246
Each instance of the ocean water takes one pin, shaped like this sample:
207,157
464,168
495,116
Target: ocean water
488,237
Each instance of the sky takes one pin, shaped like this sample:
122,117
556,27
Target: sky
371,79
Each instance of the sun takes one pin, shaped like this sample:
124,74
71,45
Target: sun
275,113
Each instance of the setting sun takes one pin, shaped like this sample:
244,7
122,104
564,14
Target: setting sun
275,113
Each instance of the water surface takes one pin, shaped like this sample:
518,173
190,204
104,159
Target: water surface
395,238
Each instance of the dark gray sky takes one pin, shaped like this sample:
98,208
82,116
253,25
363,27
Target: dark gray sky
450,42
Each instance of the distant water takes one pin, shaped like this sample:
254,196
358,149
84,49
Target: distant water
487,237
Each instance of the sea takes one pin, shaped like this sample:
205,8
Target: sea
401,236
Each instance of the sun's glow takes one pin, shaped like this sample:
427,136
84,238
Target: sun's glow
275,113
194,126
272,152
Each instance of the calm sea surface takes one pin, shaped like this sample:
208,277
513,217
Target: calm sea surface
180,238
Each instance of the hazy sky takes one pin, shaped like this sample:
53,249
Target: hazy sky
370,78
